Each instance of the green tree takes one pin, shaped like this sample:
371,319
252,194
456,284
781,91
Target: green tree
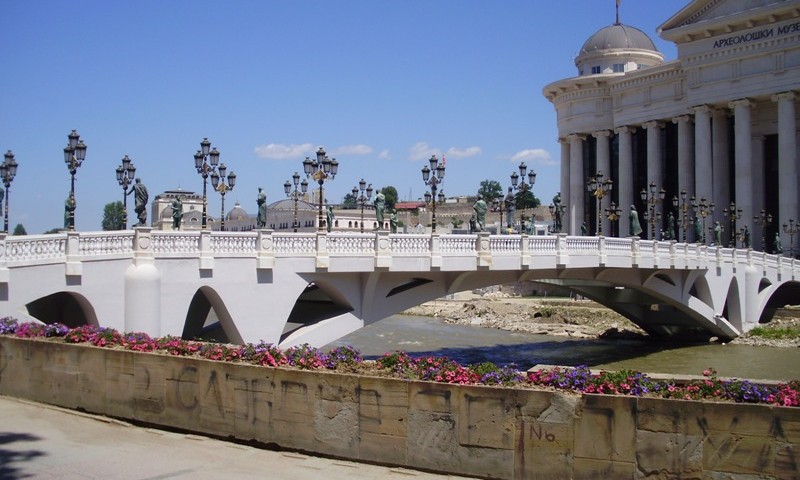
391,196
526,199
113,213
349,201
20,230
54,230
490,190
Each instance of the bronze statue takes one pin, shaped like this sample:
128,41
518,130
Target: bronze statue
177,213
636,228
510,204
558,211
380,206
480,208
670,227
717,234
777,246
393,220
141,201
329,218
746,237
261,201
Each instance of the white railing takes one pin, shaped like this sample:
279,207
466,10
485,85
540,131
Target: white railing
75,247
351,244
35,248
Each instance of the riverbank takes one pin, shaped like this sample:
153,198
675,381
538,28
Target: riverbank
567,317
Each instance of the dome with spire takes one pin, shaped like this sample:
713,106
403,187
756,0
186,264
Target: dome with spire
618,36
618,49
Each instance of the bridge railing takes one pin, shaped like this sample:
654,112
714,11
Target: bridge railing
73,248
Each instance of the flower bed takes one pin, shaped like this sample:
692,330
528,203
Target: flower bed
429,368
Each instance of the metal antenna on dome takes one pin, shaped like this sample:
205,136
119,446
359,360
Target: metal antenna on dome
617,22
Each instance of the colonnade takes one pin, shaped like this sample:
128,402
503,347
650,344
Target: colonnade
704,163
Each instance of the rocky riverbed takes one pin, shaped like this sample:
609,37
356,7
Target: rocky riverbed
565,317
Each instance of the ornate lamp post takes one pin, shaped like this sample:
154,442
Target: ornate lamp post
433,176
763,219
733,214
497,203
613,213
362,199
320,169
287,188
125,174
650,198
684,208
791,229
523,188
219,184
74,155
8,170
703,209
599,188
205,161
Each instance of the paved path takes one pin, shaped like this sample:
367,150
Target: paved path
42,442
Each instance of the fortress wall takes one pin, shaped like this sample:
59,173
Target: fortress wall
490,432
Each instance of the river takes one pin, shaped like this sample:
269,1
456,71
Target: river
468,345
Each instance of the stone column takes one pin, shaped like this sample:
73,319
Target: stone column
575,202
720,154
685,154
565,178
624,184
703,171
787,159
744,162
604,166
654,152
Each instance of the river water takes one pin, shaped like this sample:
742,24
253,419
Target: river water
467,345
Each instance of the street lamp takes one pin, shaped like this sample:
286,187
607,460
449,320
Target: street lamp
763,219
704,209
205,162
733,214
599,188
219,184
523,188
320,169
791,229
432,176
8,170
287,188
362,199
684,208
125,175
613,213
74,155
650,215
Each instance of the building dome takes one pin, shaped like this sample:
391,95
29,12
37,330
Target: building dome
618,36
237,213
617,48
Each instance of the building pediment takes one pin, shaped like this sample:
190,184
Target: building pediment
711,18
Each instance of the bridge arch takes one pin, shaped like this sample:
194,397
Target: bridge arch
321,300
732,308
70,308
208,318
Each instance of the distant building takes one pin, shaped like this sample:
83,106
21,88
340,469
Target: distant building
719,123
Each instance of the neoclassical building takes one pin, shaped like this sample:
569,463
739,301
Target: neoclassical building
718,123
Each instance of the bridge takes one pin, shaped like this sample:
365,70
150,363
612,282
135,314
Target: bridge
293,288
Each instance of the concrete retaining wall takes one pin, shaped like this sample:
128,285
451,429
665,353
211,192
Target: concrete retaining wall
482,431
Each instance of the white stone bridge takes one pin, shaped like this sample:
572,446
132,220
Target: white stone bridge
292,288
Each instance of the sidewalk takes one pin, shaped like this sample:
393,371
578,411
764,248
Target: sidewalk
43,442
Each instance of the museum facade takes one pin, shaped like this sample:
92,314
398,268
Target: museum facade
717,126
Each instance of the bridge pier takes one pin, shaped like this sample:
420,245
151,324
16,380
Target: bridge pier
143,288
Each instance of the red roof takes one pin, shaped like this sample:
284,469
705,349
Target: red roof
408,205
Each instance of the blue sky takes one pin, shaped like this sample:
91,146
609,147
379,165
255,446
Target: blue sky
381,85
